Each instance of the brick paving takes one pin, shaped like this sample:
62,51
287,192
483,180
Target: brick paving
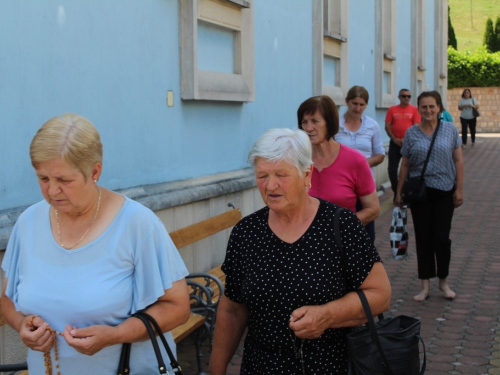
461,336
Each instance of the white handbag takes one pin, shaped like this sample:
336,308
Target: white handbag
399,234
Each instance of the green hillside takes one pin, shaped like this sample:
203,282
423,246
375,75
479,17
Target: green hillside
468,18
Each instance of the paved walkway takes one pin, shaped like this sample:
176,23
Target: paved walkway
461,336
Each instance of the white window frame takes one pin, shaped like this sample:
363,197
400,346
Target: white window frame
385,53
418,66
197,84
330,38
441,49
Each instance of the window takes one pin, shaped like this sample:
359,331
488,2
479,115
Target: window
330,48
385,53
217,50
418,44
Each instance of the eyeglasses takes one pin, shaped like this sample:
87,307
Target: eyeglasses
405,96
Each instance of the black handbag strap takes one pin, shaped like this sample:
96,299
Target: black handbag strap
373,331
430,150
336,229
176,368
124,364
338,241
151,325
364,301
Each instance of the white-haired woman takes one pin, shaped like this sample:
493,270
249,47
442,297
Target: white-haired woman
286,281
80,262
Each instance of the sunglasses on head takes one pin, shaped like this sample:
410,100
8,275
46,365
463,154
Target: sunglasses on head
406,96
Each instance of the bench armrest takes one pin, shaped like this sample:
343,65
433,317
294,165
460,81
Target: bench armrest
210,284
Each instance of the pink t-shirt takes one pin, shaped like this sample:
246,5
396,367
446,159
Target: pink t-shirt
346,179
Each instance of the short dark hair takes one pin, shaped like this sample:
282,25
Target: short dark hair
326,107
431,94
400,91
463,93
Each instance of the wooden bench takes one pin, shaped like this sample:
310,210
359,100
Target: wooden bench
206,289
209,289
15,367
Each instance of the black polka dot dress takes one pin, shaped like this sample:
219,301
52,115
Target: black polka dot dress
273,278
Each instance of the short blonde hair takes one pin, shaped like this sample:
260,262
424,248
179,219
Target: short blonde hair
68,137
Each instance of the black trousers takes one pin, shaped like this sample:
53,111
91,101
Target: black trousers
393,164
432,224
471,123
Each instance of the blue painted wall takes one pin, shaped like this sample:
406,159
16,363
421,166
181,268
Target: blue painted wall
113,62
362,53
404,46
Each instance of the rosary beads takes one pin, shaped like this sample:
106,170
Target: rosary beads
46,356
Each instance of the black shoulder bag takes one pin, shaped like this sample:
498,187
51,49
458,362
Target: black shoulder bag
388,347
475,112
414,189
151,326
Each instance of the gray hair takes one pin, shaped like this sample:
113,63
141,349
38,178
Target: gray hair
283,144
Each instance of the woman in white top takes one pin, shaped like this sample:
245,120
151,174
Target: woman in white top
467,118
361,133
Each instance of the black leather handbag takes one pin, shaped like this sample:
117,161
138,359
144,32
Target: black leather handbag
414,189
388,347
475,112
151,326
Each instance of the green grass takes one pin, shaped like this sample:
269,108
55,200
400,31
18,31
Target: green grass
469,25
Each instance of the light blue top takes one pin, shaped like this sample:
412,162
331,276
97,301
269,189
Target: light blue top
466,113
125,269
366,140
440,172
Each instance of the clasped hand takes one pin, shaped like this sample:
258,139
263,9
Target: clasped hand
309,322
36,335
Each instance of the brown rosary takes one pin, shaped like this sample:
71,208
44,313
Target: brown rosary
46,356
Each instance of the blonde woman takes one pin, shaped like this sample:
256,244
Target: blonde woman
81,261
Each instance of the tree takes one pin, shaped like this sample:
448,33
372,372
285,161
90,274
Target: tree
452,40
489,36
497,35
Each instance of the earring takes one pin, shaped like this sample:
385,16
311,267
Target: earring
95,181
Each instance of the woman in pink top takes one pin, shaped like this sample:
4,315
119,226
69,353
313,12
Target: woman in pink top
341,174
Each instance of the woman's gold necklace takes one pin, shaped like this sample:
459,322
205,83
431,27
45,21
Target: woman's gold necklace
86,232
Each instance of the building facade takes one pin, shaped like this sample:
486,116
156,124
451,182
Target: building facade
180,89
